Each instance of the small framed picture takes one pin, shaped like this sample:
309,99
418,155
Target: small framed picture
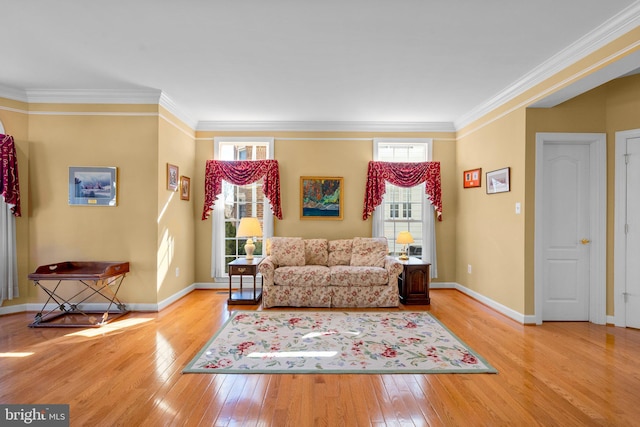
93,186
472,178
498,181
173,177
185,187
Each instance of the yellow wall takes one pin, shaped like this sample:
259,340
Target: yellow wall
175,217
490,235
342,154
139,141
127,232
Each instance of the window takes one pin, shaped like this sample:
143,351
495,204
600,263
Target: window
394,210
405,209
238,201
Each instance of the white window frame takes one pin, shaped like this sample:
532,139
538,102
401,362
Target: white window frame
428,221
217,217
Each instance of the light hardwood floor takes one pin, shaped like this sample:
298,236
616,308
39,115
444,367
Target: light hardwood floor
557,374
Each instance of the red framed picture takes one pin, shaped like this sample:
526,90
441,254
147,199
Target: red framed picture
472,178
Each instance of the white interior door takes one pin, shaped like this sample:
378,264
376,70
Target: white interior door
570,277
627,233
566,219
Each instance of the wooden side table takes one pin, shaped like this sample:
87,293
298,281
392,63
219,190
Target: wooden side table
413,282
244,267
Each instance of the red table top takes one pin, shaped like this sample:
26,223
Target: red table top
80,270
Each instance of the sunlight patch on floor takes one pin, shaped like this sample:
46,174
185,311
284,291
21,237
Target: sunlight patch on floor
16,354
109,327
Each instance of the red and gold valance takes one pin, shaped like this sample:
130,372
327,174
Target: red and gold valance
403,175
9,173
242,172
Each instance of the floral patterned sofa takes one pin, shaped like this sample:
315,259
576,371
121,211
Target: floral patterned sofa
329,273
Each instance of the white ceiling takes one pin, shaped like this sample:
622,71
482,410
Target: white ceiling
437,62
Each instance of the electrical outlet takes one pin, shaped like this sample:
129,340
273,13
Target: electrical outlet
177,271
469,268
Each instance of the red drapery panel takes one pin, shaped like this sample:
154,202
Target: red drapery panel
403,175
242,172
9,173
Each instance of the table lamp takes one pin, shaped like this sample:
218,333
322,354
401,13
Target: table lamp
249,227
404,238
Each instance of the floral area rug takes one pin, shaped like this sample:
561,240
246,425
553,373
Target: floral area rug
268,342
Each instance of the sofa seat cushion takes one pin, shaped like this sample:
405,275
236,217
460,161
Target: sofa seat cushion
342,275
302,276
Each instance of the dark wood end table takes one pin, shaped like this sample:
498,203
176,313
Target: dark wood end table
244,267
413,282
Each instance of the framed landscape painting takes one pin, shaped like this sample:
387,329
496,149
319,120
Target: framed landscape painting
93,186
321,197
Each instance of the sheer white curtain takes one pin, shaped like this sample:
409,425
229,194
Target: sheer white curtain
429,238
8,212
217,247
8,256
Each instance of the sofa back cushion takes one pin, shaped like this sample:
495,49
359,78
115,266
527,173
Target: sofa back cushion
288,251
316,251
339,252
369,251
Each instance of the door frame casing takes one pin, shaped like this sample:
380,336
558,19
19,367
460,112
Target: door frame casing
598,220
619,239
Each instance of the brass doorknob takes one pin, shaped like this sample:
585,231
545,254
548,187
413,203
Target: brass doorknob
585,241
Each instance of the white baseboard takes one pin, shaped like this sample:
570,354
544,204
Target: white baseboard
12,309
145,307
212,285
443,285
500,308
175,297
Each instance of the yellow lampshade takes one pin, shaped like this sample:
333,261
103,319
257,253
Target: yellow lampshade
404,238
249,227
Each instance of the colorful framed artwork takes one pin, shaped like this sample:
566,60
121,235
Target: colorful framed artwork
173,177
472,178
93,186
498,181
185,187
321,197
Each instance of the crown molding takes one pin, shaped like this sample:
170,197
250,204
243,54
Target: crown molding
98,96
168,103
94,96
617,26
324,126
13,93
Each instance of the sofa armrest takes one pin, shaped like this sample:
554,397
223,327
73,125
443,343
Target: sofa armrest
393,266
267,268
